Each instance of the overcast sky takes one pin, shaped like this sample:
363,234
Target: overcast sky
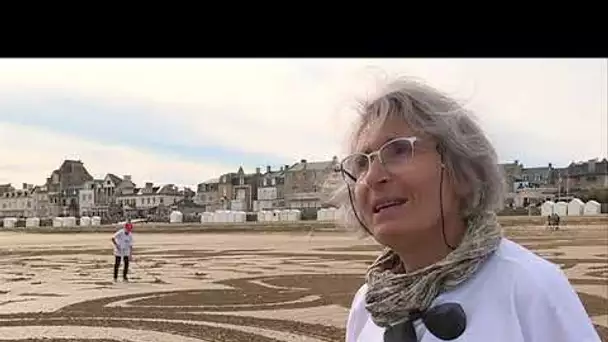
184,121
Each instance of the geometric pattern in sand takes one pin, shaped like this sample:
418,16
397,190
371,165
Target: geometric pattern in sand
231,287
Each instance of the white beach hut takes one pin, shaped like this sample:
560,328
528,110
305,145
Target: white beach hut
276,215
32,222
561,208
284,215
547,208
592,208
9,222
241,216
57,222
295,215
322,214
69,221
206,217
85,221
260,216
176,217
576,207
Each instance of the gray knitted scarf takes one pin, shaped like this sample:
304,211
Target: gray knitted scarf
393,294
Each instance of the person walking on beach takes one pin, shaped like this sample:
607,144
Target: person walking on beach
123,249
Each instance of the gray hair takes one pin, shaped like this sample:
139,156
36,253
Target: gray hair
469,156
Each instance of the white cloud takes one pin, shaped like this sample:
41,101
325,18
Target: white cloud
535,110
29,156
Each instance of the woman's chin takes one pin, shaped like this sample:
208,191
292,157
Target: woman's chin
387,232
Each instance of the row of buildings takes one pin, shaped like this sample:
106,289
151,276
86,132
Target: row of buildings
72,191
534,185
303,185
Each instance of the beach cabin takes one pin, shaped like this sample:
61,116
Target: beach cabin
10,222
207,217
240,216
57,222
32,222
96,221
85,221
561,208
294,215
547,208
592,208
176,217
69,221
576,207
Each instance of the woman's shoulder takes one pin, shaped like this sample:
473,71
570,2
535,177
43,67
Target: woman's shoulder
527,268
547,305
537,285
358,315
358,301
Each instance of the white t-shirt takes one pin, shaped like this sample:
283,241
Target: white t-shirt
516,296
124,243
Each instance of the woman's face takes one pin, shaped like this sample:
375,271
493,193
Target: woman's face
399,200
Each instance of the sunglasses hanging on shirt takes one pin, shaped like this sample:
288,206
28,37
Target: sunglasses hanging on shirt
446,321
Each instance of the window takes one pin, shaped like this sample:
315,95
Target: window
162,200
274,181
148,200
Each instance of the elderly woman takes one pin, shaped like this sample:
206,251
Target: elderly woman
424,181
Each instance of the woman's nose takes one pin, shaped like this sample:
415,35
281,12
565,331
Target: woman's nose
376,174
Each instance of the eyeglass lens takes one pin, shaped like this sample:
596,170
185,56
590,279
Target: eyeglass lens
393,154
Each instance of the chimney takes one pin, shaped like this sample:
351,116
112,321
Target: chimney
281,169
127,178
257,170
303,161
149,185
24,186
268,168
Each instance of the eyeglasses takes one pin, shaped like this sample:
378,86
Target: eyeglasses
446,321
391,155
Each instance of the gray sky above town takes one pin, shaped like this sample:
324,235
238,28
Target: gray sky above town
187,120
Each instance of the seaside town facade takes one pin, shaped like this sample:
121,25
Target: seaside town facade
305,185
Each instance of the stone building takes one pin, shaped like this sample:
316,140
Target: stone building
64,185
307,184
271,190
208,195
592,174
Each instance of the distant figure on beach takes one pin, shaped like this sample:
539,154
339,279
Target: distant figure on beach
553,221
423,180
123,249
